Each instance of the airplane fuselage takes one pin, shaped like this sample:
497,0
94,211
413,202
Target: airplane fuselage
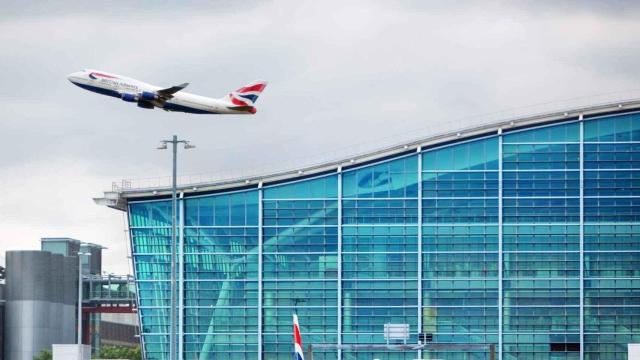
146,95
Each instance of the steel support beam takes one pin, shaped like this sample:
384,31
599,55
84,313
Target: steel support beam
260,266
109,310
500,250
418,150
181,279
174,211
581,238
339,262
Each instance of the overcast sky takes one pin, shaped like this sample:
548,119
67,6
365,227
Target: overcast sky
338,72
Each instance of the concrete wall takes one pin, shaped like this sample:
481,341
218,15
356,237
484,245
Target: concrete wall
69,299
35,311
55,302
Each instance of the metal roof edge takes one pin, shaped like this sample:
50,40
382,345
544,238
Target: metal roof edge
118,198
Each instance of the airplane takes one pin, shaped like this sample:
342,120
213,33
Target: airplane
149,96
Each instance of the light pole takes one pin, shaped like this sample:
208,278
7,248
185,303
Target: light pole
80,294
174,209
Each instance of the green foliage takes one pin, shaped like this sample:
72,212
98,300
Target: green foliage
120,352
44,355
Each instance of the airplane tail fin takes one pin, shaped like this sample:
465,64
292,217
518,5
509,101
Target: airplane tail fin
247,95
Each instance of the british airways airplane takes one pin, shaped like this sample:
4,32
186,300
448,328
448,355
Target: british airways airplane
148,96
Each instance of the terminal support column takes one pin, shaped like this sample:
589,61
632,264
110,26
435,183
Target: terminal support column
581,237
500,257
174,210
181,280
339,262
418,150
260,236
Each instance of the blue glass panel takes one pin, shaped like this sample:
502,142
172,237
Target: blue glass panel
314,292
460,265
397,178
541,292
320,188
544,210
379,266
616,128
300,212
445,211
548,134
474,155
380,211
380,293
459,184
151,214
300,239
612,237
612,292
300,266
612,183
541,265
541,319
379,239
558,237
541,157
220,293
237,209
614,319
461,237
612,209
454,292
460,320
612,156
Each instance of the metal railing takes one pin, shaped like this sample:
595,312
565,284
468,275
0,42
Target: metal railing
109,288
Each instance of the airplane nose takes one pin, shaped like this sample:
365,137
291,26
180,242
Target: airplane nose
73,76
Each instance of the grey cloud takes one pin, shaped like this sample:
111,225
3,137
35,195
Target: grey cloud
367,70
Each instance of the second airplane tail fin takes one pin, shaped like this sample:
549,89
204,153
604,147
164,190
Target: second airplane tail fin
246,95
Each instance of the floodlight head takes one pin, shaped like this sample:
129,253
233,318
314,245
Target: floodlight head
162,146
188,146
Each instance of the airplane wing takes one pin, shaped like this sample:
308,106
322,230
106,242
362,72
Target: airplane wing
168,92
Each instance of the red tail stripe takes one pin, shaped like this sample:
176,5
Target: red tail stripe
296,334
256,87
238,102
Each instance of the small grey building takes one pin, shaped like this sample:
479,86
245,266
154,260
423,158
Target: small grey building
40,302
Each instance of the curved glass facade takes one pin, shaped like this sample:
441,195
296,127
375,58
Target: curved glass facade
529,240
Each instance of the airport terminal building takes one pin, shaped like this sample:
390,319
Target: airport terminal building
522,233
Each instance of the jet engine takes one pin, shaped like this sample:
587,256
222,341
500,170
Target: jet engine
149,96
145,104
129,97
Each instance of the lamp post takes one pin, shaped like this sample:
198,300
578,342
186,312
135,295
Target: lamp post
172,323
80,294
